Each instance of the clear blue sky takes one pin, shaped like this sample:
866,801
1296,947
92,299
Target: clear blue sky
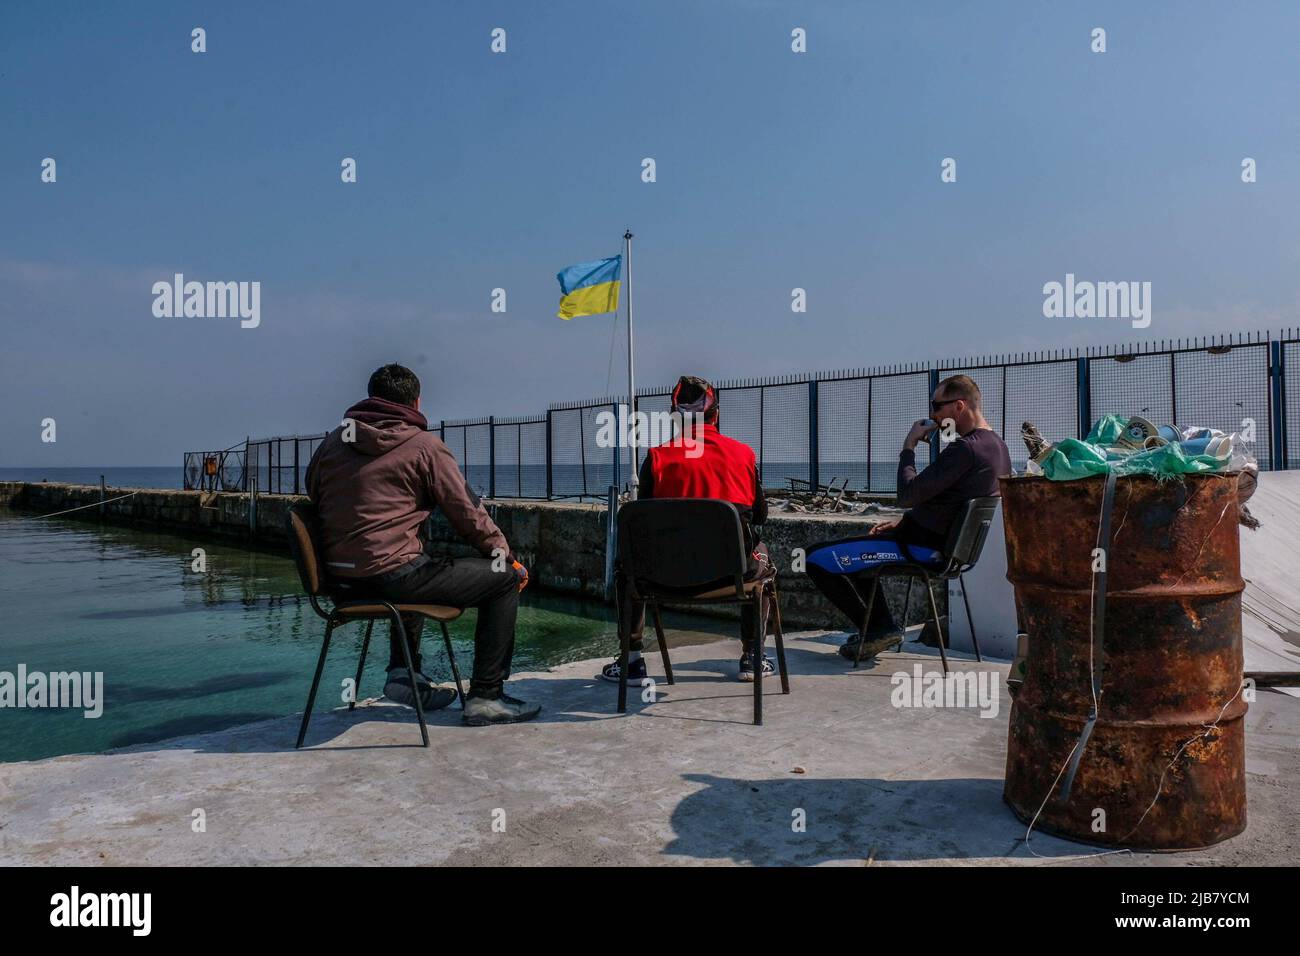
477,171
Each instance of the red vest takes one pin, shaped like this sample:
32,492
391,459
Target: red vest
721,468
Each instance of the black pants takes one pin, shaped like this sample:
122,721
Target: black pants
634,611
459,582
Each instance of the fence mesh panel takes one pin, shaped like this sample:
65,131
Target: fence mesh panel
1291,392
653,406
1223,390
896,402
786,454
505,452
1046,394
842,411
477,461
567,473
532,459
990,380
740,417
1140,385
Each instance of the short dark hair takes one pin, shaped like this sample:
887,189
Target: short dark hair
395,383
961,386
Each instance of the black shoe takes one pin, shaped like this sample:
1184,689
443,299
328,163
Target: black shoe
746,672
635,671
398,690
482,711
875,644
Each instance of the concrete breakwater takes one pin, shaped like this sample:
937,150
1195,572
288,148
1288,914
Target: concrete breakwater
562,543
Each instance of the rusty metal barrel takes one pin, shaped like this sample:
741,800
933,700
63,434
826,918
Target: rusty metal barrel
1165,763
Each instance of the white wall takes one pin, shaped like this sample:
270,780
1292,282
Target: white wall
992,600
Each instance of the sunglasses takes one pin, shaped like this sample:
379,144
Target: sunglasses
935,406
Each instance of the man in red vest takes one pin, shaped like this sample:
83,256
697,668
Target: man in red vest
709,466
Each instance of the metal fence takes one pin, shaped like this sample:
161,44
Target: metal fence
847,427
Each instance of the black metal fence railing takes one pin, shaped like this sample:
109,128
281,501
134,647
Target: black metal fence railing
215,470
846,427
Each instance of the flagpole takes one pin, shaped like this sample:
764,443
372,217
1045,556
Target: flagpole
631,376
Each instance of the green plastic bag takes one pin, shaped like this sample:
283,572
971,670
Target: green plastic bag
1072,459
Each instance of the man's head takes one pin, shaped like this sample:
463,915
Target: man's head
957,397
395,383
694,395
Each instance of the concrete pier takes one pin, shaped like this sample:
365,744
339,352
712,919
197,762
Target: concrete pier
563,543
837,775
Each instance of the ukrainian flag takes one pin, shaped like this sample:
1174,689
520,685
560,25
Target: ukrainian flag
590,288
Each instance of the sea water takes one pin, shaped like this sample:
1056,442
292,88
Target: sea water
183,651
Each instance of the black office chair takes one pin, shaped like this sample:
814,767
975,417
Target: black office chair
961,551
301,527
692,551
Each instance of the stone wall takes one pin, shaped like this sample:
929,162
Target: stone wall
563,544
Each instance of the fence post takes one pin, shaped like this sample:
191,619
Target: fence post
549,475
618,444
1085,397
492,457
814,469
296,490
934,384
1278,450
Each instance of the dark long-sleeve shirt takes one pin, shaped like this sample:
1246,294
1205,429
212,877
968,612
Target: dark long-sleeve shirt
968,468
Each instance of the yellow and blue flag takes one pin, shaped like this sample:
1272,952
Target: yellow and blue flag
590,288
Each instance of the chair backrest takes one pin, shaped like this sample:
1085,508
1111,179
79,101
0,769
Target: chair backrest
967,537
300,524
668,545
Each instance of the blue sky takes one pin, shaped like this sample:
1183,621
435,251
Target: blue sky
478,170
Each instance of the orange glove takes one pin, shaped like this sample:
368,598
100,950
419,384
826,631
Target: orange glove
522,573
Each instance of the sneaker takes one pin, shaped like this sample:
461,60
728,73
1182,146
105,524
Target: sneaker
635,670
398,690
482,711
1035,444
747,668
876,643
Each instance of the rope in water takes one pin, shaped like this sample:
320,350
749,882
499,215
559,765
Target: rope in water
94,504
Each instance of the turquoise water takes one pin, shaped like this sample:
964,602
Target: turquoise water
184,652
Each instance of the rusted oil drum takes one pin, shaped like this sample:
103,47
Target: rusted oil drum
1166,761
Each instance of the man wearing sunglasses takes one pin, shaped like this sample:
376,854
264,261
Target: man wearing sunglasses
969,467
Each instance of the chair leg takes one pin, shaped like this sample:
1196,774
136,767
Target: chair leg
780,641
866,620
410,670
663,643
624,640
970,620
756,657
451,656
361,665
315,684
907,605
938,626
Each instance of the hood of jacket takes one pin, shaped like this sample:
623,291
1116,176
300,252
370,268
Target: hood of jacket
383,425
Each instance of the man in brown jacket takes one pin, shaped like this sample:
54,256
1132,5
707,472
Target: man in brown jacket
374,480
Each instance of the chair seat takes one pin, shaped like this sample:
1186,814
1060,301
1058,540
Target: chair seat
717,594
435,612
